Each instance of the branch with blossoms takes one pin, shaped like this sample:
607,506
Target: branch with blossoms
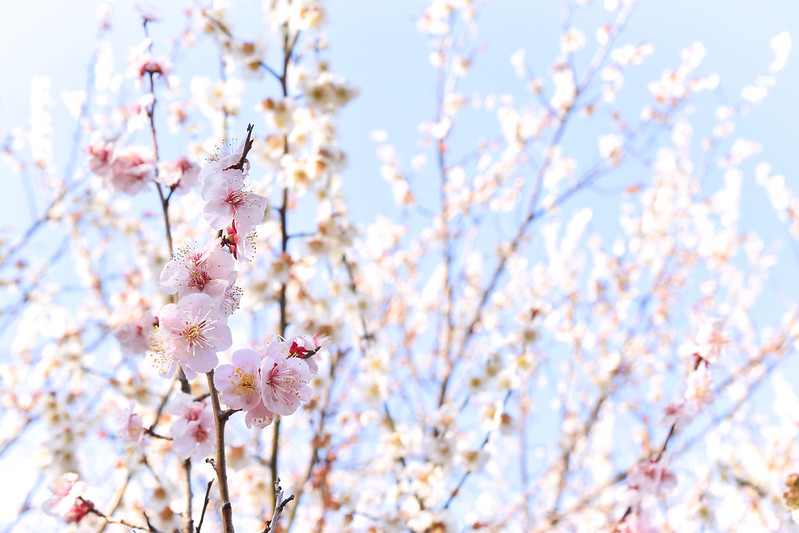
497,327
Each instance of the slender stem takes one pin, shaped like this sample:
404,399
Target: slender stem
220,463
205,504
110,520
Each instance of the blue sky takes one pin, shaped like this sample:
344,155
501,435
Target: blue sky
375,46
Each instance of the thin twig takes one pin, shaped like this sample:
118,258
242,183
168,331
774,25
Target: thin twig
205,504
280,504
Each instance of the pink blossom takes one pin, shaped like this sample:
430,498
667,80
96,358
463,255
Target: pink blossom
131,171
193,432
134,337
230,301
209,271
223,160
101,154
636,522
711,340
239,383
283,380
142,62
676,414
189,334
699,388
132,430
227,200
180,174
259,416
241,245
305,348
67,502
651,478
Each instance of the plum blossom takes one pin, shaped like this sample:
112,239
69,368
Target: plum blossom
711,340
142,62
189,335
209,271
132,430
274,381
193,430
231,300
241,245
677,414
131,171
180,174
637,522
67,502
239,382
133,337
651,478
699,390
101,154
284,381
305,348
228,200
225,158
259,416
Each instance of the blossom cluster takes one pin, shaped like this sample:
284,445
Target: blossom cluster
274,381
192,331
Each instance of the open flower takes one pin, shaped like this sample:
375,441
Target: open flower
131,170
180,174
241,242
259,416
711,340
67,502
227,200
193,430
210,271
651,478
284,381
133,336
189,334
239,383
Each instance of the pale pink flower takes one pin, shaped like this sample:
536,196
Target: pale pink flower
131,171
239,383
636,522
143,63
284,381
134,337
259,416
193,432
241,242
711,339
180,174
132,430
305,348
209,271
676,414
222,161
230,301
101,154
227,200
699,388
67,502
189,334
651,479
